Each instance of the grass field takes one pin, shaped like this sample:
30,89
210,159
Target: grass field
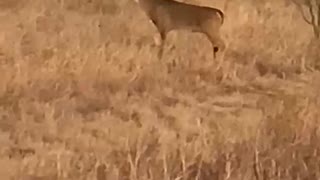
83,95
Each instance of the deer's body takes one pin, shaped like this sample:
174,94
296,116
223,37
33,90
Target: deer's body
168,15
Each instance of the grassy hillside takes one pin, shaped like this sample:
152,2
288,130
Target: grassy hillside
83,95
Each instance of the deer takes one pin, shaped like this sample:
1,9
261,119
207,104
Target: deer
171,15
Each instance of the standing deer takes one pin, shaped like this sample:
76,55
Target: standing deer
168,15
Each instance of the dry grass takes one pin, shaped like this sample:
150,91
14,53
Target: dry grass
83,96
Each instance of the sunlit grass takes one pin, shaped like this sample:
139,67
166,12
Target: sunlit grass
83,95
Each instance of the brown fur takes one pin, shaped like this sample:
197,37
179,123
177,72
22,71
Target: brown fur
168,15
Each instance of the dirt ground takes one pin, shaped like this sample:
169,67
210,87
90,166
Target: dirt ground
83,95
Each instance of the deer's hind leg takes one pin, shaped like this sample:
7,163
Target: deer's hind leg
218,46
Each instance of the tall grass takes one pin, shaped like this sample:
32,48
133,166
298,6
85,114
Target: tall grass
83,95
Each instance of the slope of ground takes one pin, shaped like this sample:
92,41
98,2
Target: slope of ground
83,96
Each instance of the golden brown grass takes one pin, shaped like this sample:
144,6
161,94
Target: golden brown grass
83,96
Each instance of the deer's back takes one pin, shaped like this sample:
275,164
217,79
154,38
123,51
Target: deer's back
176,15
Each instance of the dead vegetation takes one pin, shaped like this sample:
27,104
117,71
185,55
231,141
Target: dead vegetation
83,96
311,15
